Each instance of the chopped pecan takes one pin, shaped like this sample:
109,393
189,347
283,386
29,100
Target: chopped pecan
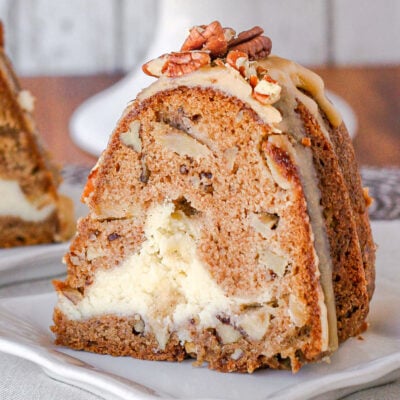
145,172
253,80
235,57
212,38
185,62
240,61
73,295
267,90
113,236
262,98
138,325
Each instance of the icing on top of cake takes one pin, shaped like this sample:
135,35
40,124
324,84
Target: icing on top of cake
210,47
225,79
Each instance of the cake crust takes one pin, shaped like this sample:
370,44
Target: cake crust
349,275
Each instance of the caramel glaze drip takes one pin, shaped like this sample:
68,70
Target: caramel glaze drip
301,81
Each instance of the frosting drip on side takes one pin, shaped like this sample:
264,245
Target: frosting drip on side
298,80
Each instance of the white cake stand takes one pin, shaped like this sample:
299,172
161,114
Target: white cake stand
94,120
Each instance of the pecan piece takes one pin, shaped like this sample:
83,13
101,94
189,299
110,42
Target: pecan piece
185,62
240,61
245,36
72,294
234,56
154,67
252,43
256,48
267,90
212,38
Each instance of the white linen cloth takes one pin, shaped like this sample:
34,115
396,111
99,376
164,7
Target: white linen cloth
20,379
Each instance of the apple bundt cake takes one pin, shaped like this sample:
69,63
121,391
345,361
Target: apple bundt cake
227,218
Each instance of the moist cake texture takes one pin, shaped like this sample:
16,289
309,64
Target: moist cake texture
31,210
227,220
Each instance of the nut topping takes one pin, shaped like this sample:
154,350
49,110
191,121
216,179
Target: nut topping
245,36
217,46
212,38
267,91
256,48
236,58
185,62
252,43
229,34
154,67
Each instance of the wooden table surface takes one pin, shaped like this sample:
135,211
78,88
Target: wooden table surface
374,94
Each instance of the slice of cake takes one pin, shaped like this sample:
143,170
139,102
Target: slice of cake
227,219
31,210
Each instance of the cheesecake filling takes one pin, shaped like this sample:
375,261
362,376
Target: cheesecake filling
14,203
168,287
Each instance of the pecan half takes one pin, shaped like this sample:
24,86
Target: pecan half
154,67
212,38
185,62
245,36
256,48
252,43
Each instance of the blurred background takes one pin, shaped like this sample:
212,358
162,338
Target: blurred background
63,37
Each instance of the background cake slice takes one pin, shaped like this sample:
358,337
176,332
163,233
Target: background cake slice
31,210
223,224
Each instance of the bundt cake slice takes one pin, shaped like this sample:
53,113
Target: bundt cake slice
31,210
227,220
